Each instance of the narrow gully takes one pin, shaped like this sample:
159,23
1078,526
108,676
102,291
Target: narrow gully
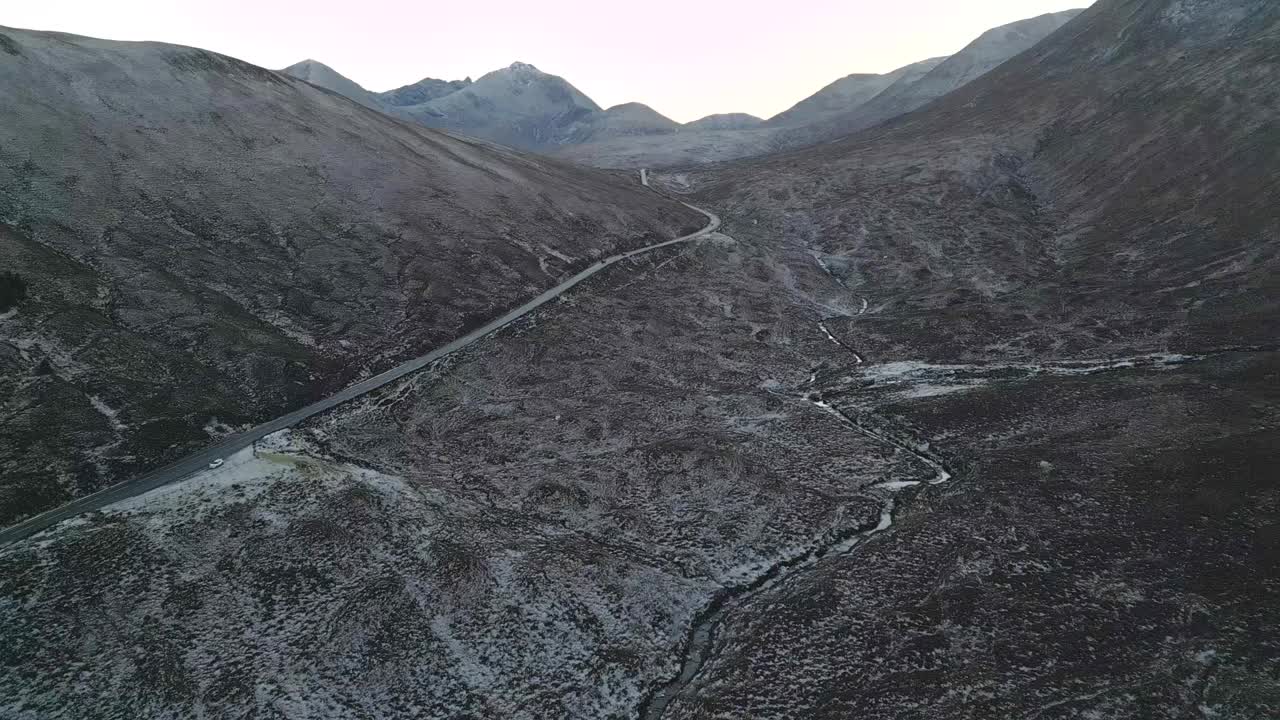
702,634
823,327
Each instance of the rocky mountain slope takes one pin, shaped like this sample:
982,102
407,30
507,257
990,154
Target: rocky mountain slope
422,91
920,84
627,120
1086,139
519,106
849,93
205,243
318,73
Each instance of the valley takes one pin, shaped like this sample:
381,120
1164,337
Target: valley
950,392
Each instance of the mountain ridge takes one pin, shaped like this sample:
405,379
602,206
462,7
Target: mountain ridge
253,243
523,107
317,73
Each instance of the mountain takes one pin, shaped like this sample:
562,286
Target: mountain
627,120
1062,284
849,93
318,73
981,56
926,82
725,121
422,91
846,105
522,107
519,106
205,243
840,96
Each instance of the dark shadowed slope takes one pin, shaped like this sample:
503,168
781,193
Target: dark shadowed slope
205,244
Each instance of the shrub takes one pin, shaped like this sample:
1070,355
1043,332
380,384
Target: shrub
12,290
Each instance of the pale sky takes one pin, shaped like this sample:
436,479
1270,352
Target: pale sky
684,58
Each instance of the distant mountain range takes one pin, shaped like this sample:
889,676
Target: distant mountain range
525,108
917,85
851,92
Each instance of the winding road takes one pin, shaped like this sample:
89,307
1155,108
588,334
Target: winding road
200,460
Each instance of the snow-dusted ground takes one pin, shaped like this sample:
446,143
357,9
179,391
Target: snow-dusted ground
915,379
323,588
751,581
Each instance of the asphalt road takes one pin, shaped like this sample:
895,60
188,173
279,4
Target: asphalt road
200,460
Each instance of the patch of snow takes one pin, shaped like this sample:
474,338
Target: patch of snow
926,390
284,456
110,414
556,253
48,537
907,370
896,484
212,486
216,428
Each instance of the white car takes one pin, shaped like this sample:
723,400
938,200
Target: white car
216,464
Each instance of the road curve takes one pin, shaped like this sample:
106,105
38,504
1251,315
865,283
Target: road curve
199,460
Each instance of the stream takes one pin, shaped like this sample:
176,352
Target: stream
703,633
706,624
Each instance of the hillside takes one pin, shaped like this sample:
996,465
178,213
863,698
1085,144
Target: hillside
917,85
1070,267
725,121
318,73
849,93
205,244
684,149
626,120
422,91
519,106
